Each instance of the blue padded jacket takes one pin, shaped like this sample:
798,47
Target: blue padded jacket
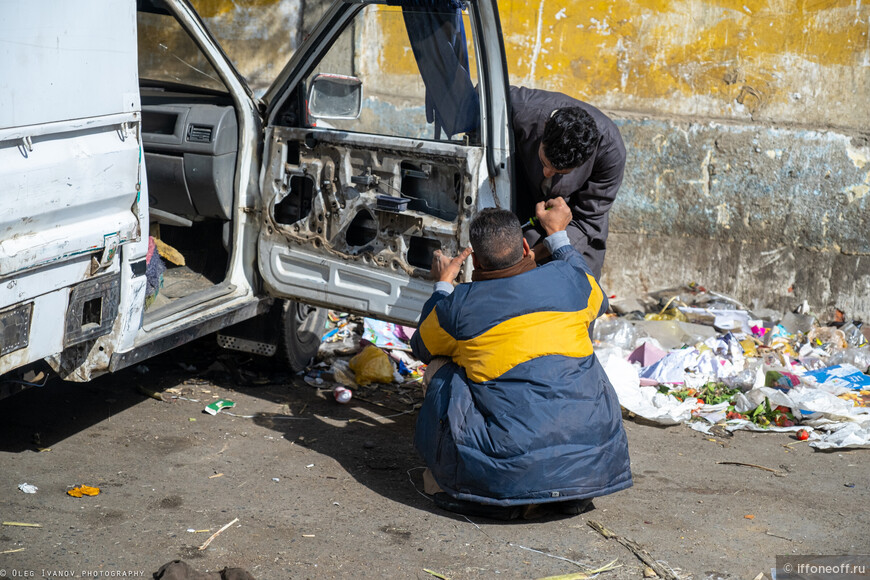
524,413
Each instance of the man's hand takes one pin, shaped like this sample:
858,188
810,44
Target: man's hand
446,269
554,215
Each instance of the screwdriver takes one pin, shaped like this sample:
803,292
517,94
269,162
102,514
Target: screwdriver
533,222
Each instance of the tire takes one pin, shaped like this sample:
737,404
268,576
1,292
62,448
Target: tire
300,329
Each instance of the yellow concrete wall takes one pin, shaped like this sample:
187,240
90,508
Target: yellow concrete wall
391,61
770,206
801,61
786,61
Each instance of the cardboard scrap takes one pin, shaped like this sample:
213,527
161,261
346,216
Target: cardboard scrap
215,408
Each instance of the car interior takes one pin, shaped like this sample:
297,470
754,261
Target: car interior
190,142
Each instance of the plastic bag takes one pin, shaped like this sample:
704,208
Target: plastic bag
853,334
342,374
672,334
858,357
827,337
751,377
615,332
372,365
667,314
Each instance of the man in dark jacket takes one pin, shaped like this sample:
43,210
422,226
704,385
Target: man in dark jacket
570,149
523,413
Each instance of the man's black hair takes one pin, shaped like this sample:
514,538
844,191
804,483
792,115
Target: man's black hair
570,138
496,238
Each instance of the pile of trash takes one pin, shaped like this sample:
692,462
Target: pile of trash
370,360
678,356
686,355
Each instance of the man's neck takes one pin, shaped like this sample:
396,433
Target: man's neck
524,265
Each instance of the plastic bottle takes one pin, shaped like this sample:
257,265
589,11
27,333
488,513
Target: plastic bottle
342,394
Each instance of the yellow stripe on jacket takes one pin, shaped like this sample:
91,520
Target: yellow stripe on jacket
517,340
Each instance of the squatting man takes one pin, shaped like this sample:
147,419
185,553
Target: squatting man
519,418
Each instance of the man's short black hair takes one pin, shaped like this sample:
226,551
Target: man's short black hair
496,238
570,138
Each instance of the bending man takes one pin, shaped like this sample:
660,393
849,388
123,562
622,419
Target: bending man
567,148
523,413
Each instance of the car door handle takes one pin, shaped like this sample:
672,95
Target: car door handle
415,173
367,180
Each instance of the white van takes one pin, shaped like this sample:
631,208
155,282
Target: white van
123,125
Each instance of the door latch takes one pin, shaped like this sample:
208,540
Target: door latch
111,243
366,180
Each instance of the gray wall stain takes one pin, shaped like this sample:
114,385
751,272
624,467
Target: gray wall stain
772,216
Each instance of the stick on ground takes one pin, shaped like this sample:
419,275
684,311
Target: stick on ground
215,535
636,549
773,471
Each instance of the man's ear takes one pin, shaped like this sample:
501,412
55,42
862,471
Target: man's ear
474,261
526,249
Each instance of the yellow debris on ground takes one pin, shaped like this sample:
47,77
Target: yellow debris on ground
81,490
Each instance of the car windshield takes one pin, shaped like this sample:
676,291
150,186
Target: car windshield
168,56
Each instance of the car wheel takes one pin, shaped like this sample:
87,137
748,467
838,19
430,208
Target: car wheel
300,329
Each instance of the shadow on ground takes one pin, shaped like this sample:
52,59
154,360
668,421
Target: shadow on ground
371,440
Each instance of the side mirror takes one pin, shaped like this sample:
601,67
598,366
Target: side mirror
334,96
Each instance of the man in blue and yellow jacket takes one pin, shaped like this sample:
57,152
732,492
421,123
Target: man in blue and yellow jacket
522,412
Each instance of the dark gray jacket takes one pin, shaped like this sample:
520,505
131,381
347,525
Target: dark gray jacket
589,190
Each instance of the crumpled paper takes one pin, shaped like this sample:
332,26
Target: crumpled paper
844,436
671,369
745,425
646,402
823,407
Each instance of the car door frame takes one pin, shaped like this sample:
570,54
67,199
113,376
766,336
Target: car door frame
290,270
240,298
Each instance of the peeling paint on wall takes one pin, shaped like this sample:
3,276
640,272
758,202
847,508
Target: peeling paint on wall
793,62
804,63
858,157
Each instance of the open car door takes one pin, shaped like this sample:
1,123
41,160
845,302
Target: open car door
385,134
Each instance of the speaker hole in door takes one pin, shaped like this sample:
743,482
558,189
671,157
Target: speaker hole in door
362,230
421,250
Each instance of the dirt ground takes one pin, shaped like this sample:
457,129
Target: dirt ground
322,490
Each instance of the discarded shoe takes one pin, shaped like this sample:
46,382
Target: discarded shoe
561,508
575,507
181,570
469,508
505,513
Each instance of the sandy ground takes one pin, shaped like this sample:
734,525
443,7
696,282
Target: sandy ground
323,490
